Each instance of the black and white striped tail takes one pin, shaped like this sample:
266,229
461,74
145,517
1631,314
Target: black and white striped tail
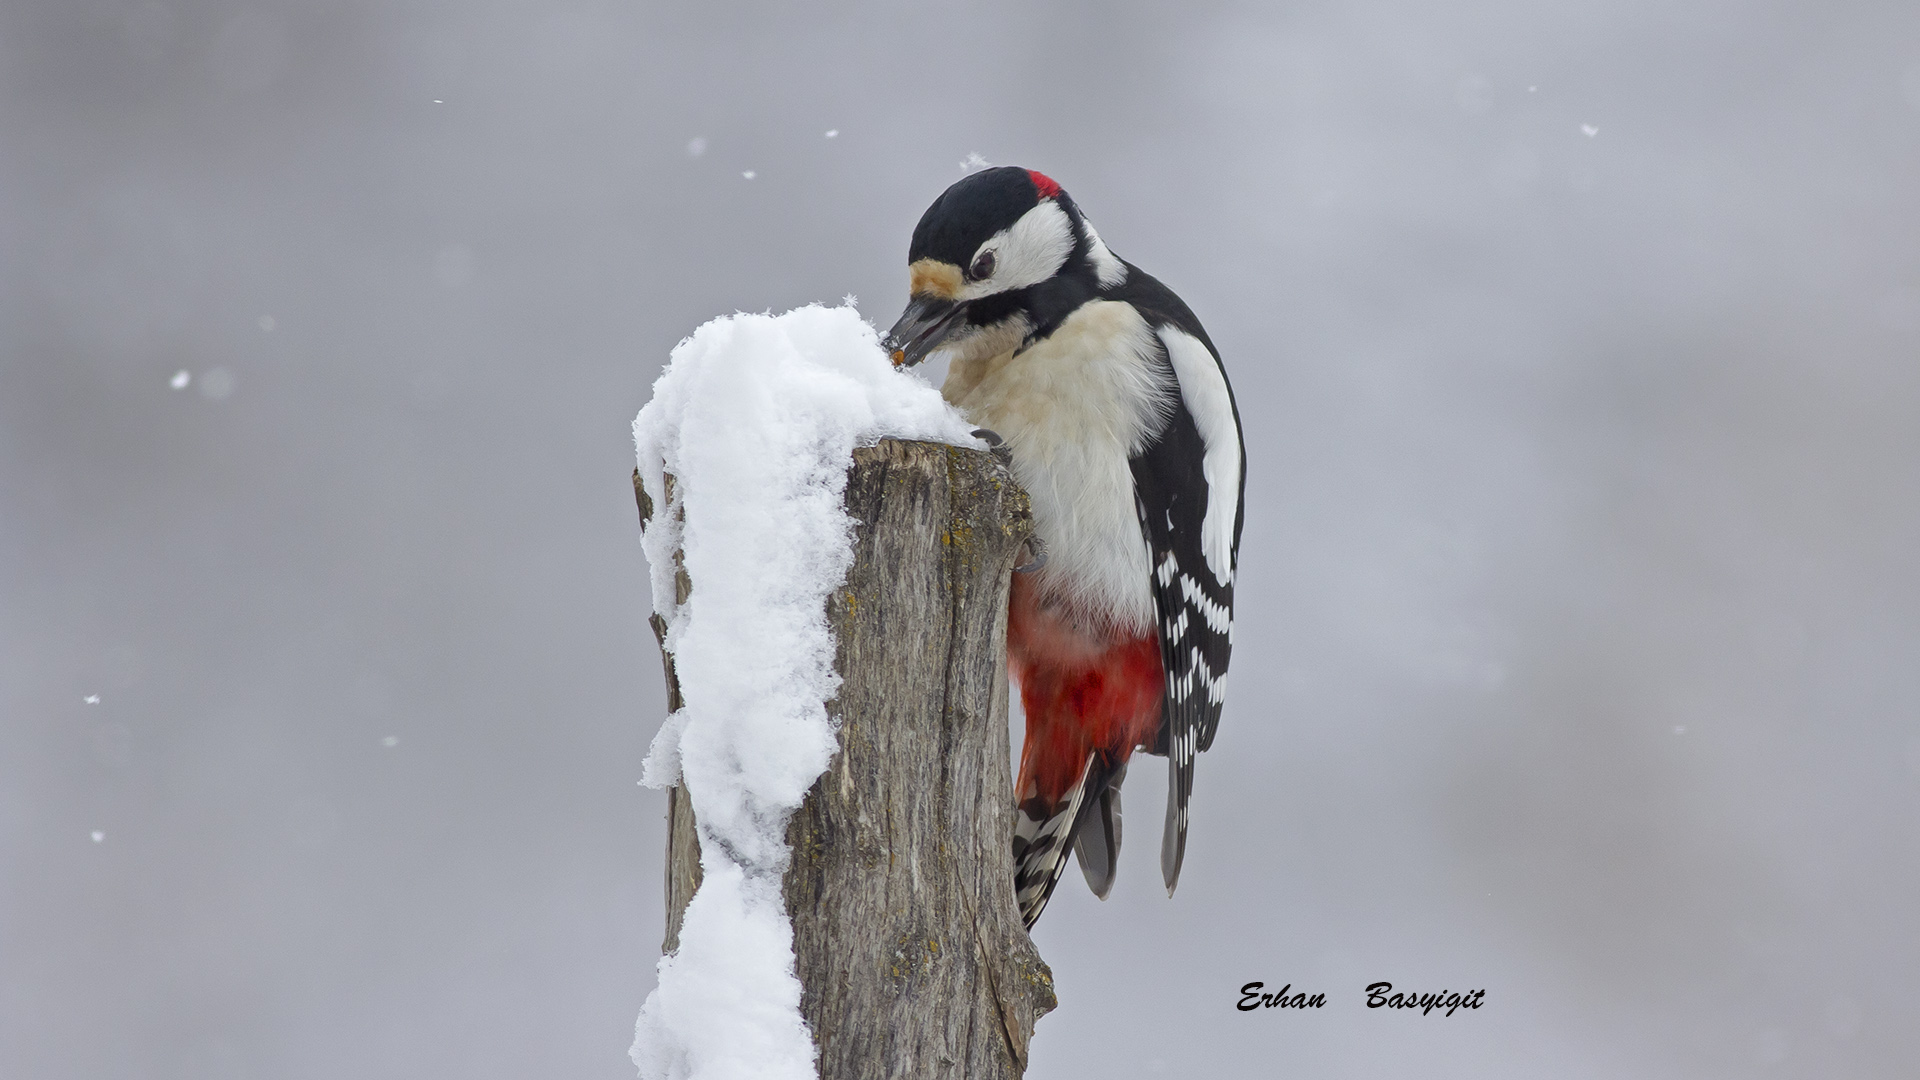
1087,822
1042,834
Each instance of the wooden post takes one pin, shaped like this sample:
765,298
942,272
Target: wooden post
911,955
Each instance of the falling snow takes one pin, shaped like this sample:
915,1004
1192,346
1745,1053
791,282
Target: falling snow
91,699
217,384
180,380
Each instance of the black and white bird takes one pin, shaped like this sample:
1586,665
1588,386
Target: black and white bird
1123,429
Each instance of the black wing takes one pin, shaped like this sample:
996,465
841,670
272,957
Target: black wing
1194,603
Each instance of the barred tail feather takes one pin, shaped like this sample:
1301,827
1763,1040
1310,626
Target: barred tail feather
1042,835
1091,694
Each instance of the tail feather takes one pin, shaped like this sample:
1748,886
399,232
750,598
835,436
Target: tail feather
1096,843
1042,835
1184,726
1090,694
1173,839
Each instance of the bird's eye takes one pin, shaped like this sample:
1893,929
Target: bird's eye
982,266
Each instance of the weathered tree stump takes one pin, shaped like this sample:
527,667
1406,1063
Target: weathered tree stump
911,955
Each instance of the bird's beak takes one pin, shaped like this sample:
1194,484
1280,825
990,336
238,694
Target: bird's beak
927,322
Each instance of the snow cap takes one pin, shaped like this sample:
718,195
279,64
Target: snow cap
756,417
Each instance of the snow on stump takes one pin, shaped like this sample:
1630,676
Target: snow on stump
831,606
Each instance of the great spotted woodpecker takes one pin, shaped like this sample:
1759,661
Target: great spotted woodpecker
1122,428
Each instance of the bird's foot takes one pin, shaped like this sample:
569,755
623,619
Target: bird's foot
1036,550
996,444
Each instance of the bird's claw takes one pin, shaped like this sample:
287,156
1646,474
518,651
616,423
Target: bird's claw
1036,556
997,445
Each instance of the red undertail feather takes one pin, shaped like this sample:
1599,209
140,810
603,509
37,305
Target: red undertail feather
1091,696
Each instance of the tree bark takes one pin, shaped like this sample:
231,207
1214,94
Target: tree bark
683,844
911,955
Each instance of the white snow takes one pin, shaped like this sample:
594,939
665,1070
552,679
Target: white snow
98,836
756,416
180,380
91,699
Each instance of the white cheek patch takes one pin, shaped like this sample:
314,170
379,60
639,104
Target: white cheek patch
1025,253
1203,389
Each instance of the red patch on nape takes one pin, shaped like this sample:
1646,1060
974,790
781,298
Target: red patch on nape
1044,183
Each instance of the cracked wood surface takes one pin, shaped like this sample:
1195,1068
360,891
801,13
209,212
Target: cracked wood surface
911,955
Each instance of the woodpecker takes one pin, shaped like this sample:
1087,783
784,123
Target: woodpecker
1120,423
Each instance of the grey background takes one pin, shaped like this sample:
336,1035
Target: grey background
1579,655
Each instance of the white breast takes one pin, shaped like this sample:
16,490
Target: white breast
1073,408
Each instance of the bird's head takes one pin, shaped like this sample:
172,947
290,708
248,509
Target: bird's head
999,258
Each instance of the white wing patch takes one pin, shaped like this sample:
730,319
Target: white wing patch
1203,389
